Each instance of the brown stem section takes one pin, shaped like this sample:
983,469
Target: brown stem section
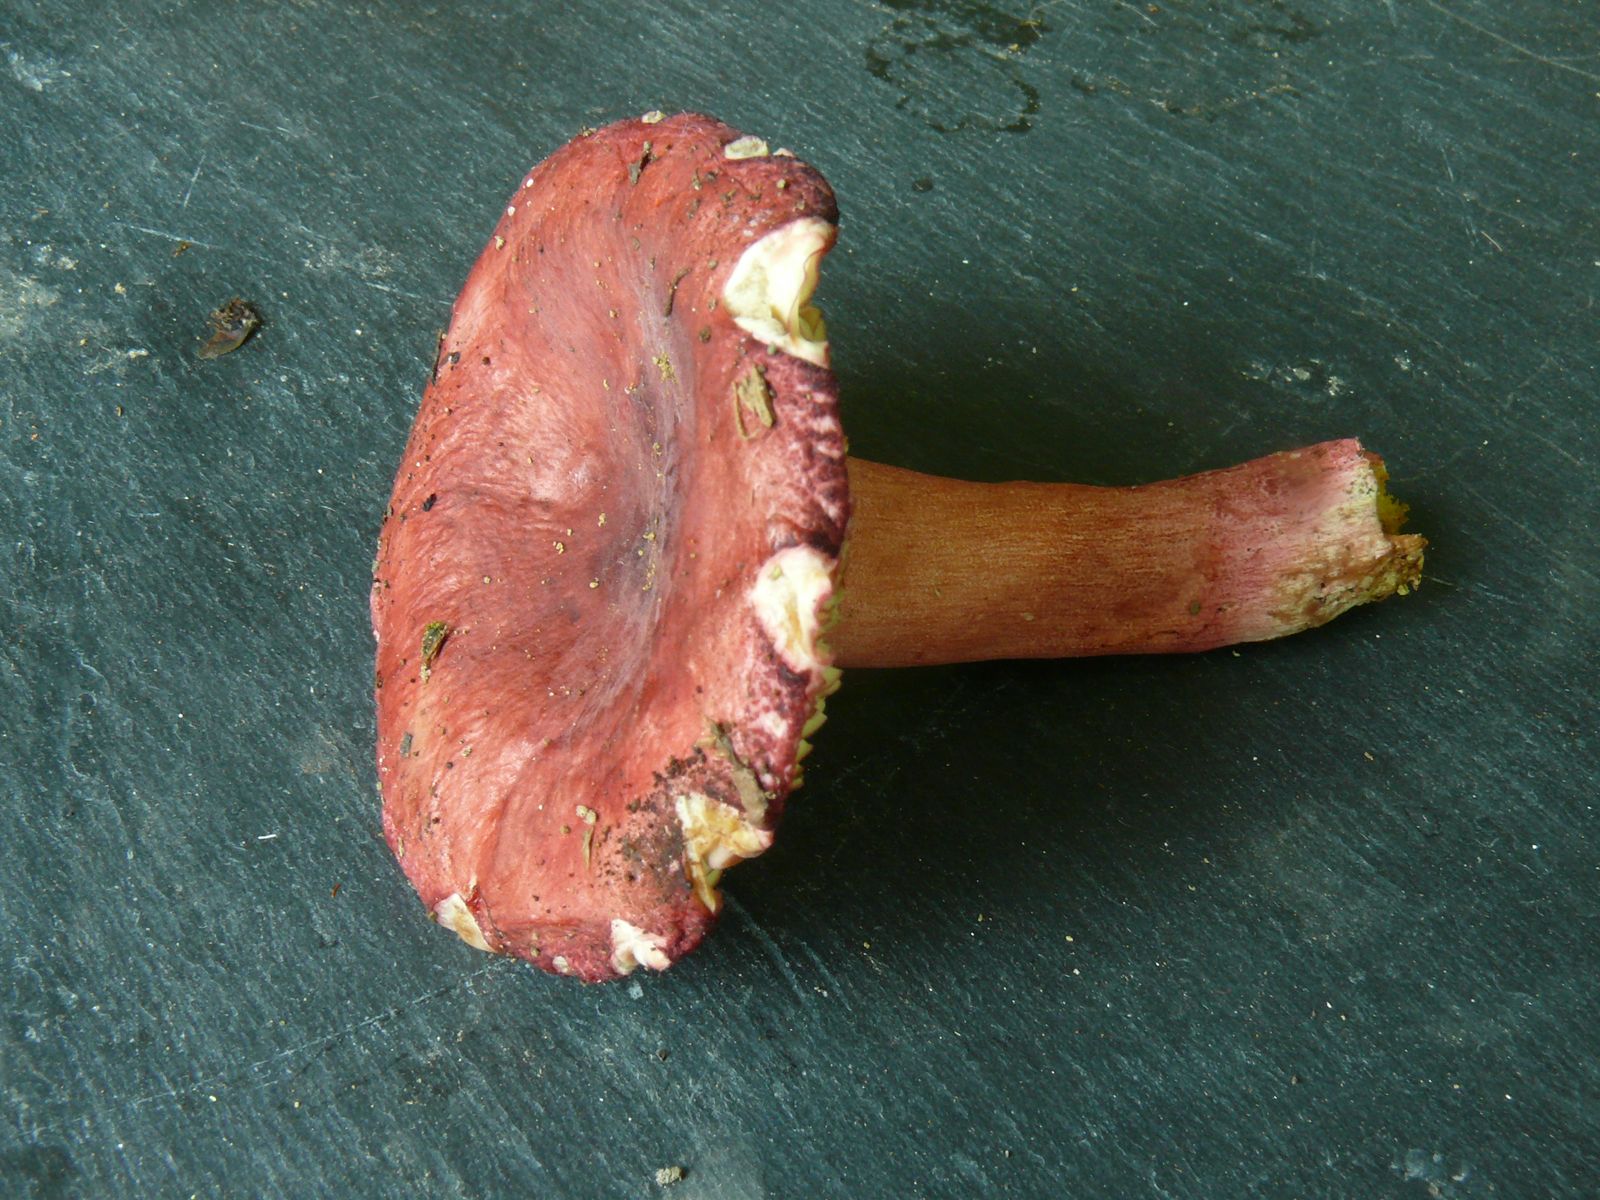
941,570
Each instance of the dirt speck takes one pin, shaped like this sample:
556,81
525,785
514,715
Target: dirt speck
231,327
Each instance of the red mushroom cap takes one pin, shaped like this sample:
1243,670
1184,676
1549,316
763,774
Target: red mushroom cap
610,548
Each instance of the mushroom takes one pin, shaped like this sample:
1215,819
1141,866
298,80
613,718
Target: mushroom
608,597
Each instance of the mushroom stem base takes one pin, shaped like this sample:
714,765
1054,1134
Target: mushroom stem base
941,570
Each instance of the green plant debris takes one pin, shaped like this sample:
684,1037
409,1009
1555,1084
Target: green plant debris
752,796
434,636
588,816
752,395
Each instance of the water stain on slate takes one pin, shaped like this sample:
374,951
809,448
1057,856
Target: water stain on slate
44,1172
1238,41
1293,29
958,64
1210,110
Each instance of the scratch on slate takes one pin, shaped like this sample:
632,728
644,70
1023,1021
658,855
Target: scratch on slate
223,1080
178,237
774,952
394,291
189,191
1558,448
912,737
1535,537
1434,468
1544,365
833,984
171,237
1140,11
1511,45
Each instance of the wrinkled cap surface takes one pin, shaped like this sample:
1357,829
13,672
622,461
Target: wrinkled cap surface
611,545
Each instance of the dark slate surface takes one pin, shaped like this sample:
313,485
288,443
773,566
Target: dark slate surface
1310,919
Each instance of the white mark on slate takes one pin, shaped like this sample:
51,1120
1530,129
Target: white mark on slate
117,361
35,74
1434,1169
21,297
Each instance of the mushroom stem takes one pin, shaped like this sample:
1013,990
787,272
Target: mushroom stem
941,570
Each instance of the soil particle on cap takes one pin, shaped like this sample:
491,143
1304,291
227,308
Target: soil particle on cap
636,168
672,292
438,356
667,1176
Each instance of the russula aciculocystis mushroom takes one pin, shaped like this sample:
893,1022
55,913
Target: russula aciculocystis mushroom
615,539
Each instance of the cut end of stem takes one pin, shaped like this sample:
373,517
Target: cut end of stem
1356,554
1391,512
